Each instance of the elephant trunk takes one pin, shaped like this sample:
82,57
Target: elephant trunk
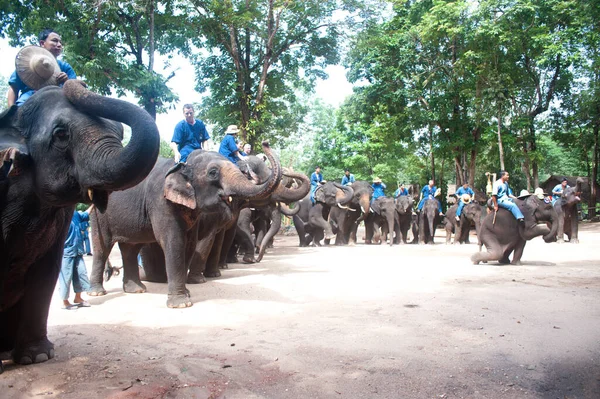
365,206
237,184
551,236
112,166
273,229
287,211
390,216
283,193
348,193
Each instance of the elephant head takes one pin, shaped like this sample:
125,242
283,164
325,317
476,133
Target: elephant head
333,194
538,212
385,208
571,196
65,140
404,205
361,200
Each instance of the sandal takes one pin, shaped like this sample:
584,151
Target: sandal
70,307
84,304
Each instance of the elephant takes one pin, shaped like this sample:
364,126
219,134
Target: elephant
566,208
61,147
404,209
502,234
347,219
472,213
166,209
428,221
381,221
312,220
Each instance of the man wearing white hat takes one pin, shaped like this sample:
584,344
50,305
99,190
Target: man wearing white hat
464,194
228,146
37,67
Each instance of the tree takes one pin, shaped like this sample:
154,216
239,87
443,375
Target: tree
3,89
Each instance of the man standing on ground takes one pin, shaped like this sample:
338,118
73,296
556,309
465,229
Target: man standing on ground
502,196
190,134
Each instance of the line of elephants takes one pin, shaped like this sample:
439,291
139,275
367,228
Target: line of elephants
64,146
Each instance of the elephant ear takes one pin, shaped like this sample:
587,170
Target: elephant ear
179,190
14,154
320,194
376,207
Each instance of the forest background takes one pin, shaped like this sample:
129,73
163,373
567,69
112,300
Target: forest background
441,89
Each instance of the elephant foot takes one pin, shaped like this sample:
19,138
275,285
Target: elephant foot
504,261
368,242
134,287
232,259
195,279
35,352
516,263
259,257
212,273
574,241
248,259
179,301
560,241
96,290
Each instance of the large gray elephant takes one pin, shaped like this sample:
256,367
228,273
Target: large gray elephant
502,234
566,208
166,209
471,214
348,218
404,209
381,221
429,218
57,151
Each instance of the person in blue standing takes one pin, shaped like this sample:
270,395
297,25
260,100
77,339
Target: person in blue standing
430,192
85,225
348,178
315,179
400,191
23,85
190,134
378,188
502,196
73,267
229,148
462,190
558,190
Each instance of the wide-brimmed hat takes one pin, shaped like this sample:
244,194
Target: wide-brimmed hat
377,180
524,194
466,198
438,192
37,67
232,129
539,192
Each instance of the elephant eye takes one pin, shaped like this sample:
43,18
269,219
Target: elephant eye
60,137
213,174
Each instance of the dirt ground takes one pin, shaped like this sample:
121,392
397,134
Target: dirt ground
340,322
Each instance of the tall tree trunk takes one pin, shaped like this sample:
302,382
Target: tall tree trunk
526,166
533,149
500,146
594,177
431,151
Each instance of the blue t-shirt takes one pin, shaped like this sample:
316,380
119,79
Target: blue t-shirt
74,241
378,190
428,192
189,137
315,179
501,190
461,190
228,148
400,192
557,192
348,179
24,92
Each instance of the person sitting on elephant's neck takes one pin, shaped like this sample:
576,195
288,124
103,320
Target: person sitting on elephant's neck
190,134
348,178
315,179
73,266
462,190
430,191
228,147
247,149
23,84
502,196
558,190
400,191
378,188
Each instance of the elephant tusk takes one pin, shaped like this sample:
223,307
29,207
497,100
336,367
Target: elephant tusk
91,194
230,199
362,209
342,206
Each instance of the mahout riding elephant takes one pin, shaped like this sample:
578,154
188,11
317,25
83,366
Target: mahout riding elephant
429,218
347,219
566,208
60,148
404,209
166,209
502,234
471,214
311,221
381,221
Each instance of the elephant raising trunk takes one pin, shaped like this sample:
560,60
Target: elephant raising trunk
286,194
110,165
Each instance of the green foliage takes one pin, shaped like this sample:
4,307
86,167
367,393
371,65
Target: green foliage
3,89
165,150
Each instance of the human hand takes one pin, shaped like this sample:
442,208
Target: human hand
61,78
177,157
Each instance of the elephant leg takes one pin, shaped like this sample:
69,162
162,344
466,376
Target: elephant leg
227,243
175,244
102,247
212,262
519,247
449,233
319,224
131,274
199,259
494,251
273,229
153,264
246,244
574,236
299,225
30,314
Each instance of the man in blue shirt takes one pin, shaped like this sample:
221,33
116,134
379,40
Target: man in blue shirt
86,237
429,192
400,191
73,267
190,134
502,196
229,147
462,190
558,190
18,91
315,179
378,188
348,178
